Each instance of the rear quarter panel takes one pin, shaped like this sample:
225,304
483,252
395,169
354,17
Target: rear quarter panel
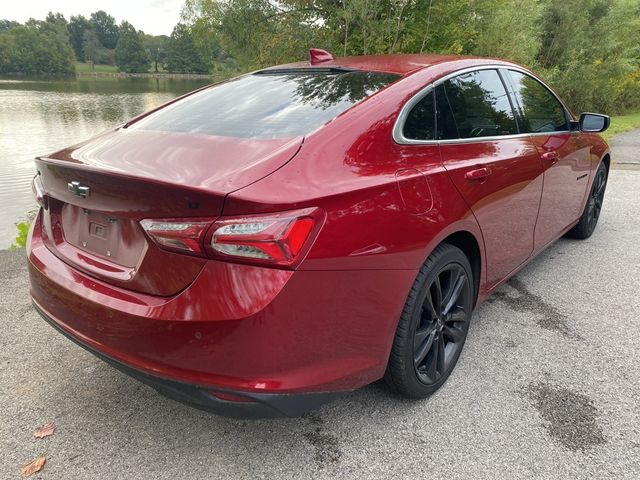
368,186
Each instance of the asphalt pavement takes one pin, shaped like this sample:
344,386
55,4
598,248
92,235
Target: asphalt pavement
548,387
626,147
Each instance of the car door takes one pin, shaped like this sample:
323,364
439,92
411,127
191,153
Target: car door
496,168
564,154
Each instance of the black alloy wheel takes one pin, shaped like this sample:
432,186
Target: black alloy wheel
594,205
589,219
433,326
442,329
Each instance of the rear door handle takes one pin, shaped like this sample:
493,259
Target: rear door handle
551,156
478,174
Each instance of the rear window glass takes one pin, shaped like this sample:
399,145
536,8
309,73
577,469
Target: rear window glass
267,105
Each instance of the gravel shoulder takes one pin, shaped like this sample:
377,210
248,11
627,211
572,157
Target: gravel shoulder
548,386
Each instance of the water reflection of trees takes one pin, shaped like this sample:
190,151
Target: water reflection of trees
542,111
325,91
479,111
88,103
102,85
99,110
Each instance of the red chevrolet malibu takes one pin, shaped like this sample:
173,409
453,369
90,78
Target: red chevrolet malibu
264,244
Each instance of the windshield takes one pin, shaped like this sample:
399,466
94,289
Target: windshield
267,105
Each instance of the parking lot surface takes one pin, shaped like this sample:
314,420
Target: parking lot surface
548,386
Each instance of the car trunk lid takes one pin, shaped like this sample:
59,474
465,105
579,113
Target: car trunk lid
96,193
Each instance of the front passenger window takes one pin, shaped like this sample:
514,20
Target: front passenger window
541,111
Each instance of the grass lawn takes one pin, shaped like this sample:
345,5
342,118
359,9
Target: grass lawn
82,67
622,123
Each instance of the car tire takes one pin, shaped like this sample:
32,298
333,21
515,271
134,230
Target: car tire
433,326
589,219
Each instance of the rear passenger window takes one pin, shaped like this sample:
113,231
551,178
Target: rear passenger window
474,105
541,110
420,123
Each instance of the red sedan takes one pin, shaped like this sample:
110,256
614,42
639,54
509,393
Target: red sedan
264,244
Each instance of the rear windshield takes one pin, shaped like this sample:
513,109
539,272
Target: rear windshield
267,105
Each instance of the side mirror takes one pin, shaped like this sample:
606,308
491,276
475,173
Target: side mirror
594,122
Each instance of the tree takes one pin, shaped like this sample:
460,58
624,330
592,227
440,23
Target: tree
131,56
54,33
254,32
182,54
7,25
90,46
56,19
512,32
588,49
78,26
7,47
106,28
589,52
156,46
37,47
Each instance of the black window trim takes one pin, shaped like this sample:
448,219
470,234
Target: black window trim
398,127
511,98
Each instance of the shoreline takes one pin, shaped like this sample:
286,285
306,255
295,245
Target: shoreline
159,75
143,75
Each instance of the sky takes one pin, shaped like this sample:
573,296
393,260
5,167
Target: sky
156,17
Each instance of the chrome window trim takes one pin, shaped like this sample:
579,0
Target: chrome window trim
398,127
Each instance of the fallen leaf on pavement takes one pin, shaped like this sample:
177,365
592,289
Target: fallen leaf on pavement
30,468
45,430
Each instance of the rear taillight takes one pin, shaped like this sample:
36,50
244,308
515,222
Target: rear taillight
278,239
178,235
275,239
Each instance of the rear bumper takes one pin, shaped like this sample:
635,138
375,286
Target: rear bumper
255,405
279,338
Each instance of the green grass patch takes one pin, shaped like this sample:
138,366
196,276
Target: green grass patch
21,237
82,67
22,230
622,123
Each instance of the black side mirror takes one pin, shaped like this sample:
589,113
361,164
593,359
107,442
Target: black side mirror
594,122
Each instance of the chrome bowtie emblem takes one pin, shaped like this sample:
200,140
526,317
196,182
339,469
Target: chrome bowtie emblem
77,189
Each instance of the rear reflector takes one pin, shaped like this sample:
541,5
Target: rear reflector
178,235
275,239
228,397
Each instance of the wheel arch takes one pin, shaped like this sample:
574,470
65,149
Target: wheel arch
607,161
466,236
467,242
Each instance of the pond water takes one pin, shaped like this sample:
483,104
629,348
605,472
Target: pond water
39,116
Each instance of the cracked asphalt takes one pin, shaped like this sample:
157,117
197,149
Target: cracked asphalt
548,386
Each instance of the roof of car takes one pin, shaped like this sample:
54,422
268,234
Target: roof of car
401,64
